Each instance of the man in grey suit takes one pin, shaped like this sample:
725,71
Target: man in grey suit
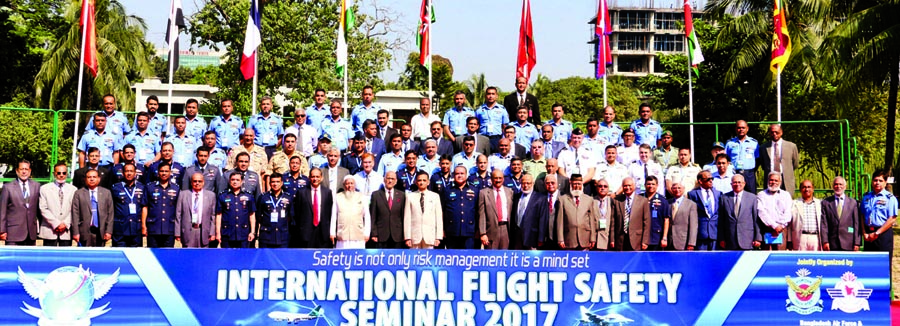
493,219
609,214
683,225
633,232
841,218
482,143
92,213
195,214
576,219
386,210
738,218
212,175
56,209
333,174
19,202
532,214
780,155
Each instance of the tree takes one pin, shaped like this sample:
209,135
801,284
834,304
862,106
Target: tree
121,52
297,50
583,98
26,26
475,88
415,77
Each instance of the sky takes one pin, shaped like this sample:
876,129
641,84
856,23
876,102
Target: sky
476,35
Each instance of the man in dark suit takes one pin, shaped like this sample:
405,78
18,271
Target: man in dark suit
518,150
444,147
333,175
707,199
522,98
386,211
92,213
482,143
531,212
633,232
738,218
312,215
19,204
781,156
195,214
841,217
373,144
552,167
406,138
92,163
384,129
551,147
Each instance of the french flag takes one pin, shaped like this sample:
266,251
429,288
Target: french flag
252,40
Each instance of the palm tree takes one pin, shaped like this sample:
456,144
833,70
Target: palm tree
476,86
861,54
541,82
121,54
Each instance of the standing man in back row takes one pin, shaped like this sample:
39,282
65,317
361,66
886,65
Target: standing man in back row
520,98
743,151
779,155
268,127
492,117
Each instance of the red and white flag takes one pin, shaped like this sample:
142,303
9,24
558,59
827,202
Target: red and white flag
602,30
90,42
527,57
252,40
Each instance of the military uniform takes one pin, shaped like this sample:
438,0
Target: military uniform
292,185
743,155
146,145
280,163
646,133
258,158
212,178
116,124
429,166
106,142
513,183
318,161
235,223
273,218
339,132
185,147
659,212
877,209
267,131
460,216
479,182
153,173
440,182
666,158
525,134
562,130
228,131
252,183
685,175
455,119
218,157
157,125
612,132
492,120
406,181
161,203
361,113
128,203
118,175
195,127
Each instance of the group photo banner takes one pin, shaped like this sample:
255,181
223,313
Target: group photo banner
440,287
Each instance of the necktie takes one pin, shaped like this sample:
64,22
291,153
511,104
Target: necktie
390,199
300,139
499,206
840,206
645,175
25,193
737,204
550,202
367,184
422,201
523,203
675,210
603,207
548,150
95,219
708,203
196,206
315,207
777,161
61,194
577,201
627,213
369,146
521,99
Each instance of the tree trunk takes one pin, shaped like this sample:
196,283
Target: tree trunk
891,116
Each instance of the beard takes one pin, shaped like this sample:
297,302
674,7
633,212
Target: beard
576,193
774,189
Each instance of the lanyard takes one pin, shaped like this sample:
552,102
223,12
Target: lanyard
129,194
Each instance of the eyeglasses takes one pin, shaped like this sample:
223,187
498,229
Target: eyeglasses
602,186
61,173
196,181
302,116
705,179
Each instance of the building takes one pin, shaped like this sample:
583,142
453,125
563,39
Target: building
640,30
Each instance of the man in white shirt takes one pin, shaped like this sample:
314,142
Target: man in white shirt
644,167
421,123
307,135
576,160
628,151
612,171
774,207
685,172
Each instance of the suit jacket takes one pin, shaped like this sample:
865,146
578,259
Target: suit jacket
53,212
740,229
794,231
413,145
18,217
81,213
388,220
576,225
683,226
520,151
78,177
557,147
303,213
342,172
378,146
387,134
790,159
183,222
426,226
482,144
707,224
445,147
511,103
845,231
613,217
213,179
487,211
562,183
638,226
534,220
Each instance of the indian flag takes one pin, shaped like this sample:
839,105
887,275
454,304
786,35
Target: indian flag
345,24
695,56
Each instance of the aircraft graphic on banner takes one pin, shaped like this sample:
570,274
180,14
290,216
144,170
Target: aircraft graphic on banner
66,295
293,318
589,318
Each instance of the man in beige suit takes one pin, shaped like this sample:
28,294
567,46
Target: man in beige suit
635,225
576,219
609,214
494,208
56,209
682,234
808,231
423,226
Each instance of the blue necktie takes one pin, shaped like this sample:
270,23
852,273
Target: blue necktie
95,220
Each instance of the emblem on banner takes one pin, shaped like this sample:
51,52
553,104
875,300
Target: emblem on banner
66,295
849,294
803,293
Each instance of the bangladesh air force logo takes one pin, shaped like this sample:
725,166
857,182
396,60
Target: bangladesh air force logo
803,293
849,294
66,295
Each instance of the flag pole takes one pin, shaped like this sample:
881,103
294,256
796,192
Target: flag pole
778,77
346,89
430,63
255,78
604,85
78,100
171,75
691,103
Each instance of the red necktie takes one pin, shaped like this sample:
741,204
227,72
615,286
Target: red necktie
390,200
499,206
315,207
576,201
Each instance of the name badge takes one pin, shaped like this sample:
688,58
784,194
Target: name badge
602,223
273,217
132,208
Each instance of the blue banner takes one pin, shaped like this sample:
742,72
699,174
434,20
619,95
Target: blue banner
440,287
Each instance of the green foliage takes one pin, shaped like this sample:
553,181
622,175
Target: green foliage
583,97
26,27
415,77
28,135
298,48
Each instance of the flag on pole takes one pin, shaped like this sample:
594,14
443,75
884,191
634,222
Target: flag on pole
345,24
426,18
90,44
527,57
252,40
602,30
176,22
695,56
781,41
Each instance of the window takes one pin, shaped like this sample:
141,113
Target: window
634,20
632,42
666,20
668,43
631,64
